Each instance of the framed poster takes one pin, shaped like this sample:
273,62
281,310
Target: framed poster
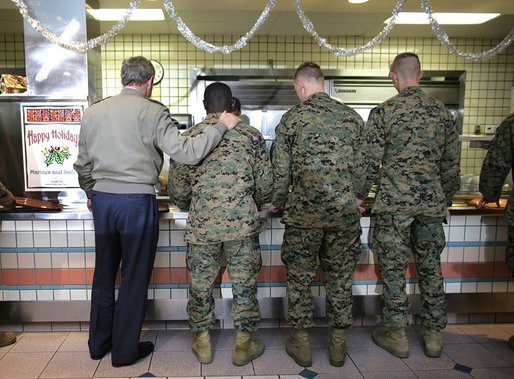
50,144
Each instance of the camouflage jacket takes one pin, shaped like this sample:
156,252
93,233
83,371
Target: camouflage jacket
223,192
313,159
497,164
411,150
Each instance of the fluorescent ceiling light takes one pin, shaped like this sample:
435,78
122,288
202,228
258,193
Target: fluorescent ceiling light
443,18
117,14
357,1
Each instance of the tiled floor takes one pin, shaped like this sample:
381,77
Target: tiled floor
473,351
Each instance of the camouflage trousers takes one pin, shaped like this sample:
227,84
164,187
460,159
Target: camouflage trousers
338,252
394,236
509,254
243,263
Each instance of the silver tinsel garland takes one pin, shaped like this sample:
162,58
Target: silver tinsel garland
341,51
209,47
439,32
443,37
80,47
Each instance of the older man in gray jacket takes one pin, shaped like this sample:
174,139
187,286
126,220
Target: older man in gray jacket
122,140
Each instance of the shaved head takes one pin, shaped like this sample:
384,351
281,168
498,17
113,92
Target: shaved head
406,65
310,71
308,79
405,71
217,98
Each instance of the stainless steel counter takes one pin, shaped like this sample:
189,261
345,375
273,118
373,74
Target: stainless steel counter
80,212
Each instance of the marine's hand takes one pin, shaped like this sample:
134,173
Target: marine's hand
90,205
163,182
482,203
359,205
8,200
229,120
273,209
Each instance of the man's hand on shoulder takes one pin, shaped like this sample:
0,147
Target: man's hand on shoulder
229,120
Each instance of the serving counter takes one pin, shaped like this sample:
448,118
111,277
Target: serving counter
47,261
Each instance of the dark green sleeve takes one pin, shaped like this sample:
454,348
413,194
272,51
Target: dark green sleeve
281,160
370,153
179,184
262,174
450,162
497,162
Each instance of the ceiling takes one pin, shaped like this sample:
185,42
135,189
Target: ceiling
330,17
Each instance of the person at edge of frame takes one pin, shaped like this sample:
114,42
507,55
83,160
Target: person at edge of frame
7,200
497,164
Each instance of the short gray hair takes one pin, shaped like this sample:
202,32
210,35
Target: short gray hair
136,70
309,70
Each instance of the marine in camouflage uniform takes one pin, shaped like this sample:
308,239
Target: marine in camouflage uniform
411,151
313,158
6,200
495,168
223,194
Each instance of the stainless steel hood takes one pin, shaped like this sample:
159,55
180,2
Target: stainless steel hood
266,93
273,88
446,86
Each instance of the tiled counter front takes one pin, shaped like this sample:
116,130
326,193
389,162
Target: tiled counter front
50,260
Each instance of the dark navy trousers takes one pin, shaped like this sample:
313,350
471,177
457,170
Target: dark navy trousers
126,232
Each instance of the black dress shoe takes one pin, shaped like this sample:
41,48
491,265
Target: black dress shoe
97,356
144,349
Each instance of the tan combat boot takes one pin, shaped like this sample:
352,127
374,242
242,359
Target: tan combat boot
7,338
337,347
299,348
246,349
202,347
433,342
392,340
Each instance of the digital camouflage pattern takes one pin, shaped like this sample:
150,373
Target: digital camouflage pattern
498,161
394,236
338,252
243,264
313,158
223,193
411,149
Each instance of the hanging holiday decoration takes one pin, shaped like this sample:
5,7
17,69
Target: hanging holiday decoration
209,47
341,51
307,24
443,37
79,47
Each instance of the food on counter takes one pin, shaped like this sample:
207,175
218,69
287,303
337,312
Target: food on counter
10,83
476,203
